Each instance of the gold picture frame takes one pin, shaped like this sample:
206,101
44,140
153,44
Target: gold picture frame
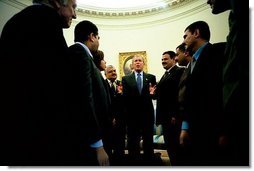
125,61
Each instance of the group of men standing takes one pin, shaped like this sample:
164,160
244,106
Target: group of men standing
55,105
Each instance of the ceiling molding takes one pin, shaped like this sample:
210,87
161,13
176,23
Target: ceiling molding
124,23
17,4
130,12
172,12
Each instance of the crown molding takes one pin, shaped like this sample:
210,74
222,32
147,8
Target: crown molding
182,10
130,12
175,10
17,3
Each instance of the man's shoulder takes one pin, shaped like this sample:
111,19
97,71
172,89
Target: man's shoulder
127,77
149,75
180,68
39,12
76,47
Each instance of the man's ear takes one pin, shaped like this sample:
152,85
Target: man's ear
197,33
91,37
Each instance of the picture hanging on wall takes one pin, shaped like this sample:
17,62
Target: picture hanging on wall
125,62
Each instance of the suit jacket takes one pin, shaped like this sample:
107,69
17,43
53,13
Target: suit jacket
90,100
116,101
35,76
167,95
204,96
139,107
182,92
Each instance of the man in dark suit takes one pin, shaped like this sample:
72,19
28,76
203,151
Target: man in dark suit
34,80
166,93
236,81
139,108
117,115
183,58
203,96
89,98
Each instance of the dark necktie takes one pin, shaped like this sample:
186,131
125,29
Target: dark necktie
112,88
165,74
139,82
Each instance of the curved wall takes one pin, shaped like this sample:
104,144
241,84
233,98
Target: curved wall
151,33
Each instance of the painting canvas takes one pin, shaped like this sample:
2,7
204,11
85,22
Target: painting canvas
125,62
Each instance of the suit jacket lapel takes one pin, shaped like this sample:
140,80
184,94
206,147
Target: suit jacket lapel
133,82
172,71
201,58
184,76
145,81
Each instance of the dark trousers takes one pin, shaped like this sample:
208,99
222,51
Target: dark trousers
137,131
118,138
171,135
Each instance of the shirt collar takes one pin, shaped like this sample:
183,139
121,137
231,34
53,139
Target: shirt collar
198,52
170,68
86,48
110,82
136,73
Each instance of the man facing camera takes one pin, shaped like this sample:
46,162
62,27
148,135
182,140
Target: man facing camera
139,108
166,93
117,115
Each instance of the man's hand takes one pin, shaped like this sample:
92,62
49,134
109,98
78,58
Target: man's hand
102,157
173,120
119,88
114,122
152,89
184,138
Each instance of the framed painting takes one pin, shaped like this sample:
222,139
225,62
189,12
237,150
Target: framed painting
125,62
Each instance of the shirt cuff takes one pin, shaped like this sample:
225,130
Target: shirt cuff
97,144
185,125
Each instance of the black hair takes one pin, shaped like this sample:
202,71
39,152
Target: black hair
171,54
181,47
83,29
203,28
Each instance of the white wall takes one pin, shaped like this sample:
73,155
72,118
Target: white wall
128,35
143,34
